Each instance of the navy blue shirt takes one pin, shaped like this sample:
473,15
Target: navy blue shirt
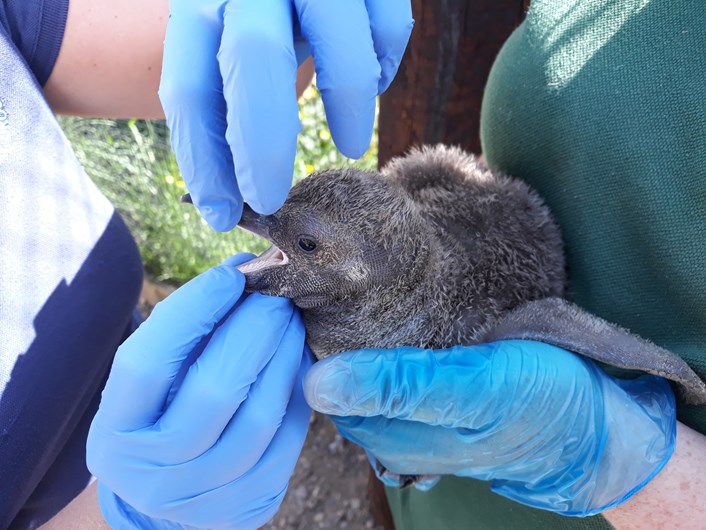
36,27
70,276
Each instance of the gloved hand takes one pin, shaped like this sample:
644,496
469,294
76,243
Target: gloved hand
203,416
228,89
547,427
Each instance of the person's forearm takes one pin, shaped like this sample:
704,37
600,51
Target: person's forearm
673,499
110,61
83,513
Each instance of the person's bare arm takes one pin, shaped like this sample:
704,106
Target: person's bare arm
674,498
83,513
111,60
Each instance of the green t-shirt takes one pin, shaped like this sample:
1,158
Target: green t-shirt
600,105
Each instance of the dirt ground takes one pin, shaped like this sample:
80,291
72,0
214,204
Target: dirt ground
329,487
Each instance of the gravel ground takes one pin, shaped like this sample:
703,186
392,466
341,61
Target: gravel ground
329,486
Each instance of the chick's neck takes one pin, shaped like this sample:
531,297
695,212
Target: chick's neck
397,313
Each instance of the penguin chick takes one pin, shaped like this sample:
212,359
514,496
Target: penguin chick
435,251
426,253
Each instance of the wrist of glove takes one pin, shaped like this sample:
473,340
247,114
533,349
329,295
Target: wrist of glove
548,428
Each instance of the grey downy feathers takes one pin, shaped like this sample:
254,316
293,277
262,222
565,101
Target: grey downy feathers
435,251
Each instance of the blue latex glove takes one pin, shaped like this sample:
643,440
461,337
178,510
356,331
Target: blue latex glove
228,89
547,427
202,428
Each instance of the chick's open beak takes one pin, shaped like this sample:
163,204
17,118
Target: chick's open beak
260,225
272,257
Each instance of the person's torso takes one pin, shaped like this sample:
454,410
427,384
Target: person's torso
601,107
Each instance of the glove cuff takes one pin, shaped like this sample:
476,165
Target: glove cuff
635,435
639,442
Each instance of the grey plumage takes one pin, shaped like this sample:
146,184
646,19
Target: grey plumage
421,256
435,251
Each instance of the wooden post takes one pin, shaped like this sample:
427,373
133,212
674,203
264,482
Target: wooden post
437,93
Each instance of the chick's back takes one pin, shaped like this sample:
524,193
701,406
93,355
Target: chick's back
497,245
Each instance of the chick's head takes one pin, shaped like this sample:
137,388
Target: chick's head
340,233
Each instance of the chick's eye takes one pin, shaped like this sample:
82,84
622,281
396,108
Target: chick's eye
307,243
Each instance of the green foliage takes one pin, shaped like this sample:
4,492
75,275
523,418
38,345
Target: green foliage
132,163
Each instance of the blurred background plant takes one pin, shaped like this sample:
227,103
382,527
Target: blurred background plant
133,165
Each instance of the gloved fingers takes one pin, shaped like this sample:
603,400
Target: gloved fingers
246,437
231,261
437,387
250,431
146,365
219,380
347,68
391,25
456,387
259,69
281,456
191,92
260,491
301,49
412,448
